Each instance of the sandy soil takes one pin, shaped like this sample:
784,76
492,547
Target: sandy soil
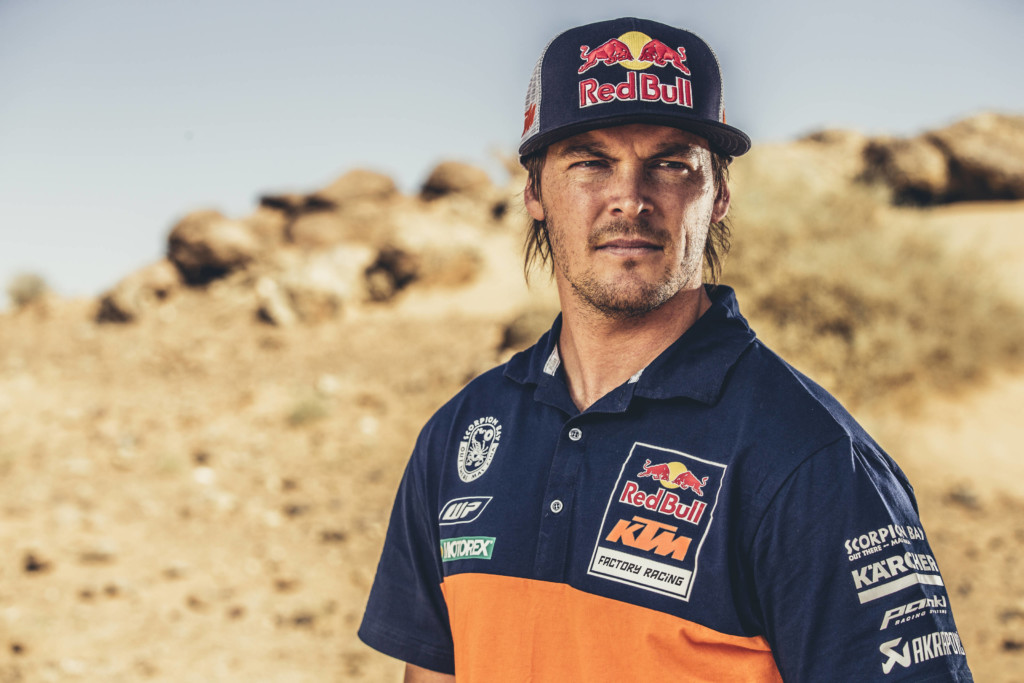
201,497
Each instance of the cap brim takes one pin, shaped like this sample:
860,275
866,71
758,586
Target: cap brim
722,138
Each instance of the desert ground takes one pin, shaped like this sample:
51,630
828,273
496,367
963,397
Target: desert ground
196,472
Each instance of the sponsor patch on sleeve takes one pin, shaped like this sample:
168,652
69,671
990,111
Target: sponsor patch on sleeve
657,518
886,561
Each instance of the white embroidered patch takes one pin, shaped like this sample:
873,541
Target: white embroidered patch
477,448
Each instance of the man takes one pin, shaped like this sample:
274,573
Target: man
649,493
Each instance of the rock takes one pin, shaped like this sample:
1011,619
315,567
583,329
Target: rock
454,177
985,155
267,224
34,562
318,286
319,229
358,184
26,288
139,292
290,203
393,270
205,246
916,169
274,306
452,266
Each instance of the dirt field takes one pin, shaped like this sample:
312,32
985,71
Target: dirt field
200,496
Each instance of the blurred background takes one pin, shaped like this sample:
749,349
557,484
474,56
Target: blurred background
248,248
118,116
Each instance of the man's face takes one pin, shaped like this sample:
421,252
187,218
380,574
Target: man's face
627,210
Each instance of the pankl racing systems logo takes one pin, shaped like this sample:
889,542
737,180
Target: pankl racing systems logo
646,87
654,552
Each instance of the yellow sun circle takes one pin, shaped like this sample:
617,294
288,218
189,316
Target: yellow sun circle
674,470
635,41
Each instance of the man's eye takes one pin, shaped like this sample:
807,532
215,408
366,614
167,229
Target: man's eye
680,165
588,163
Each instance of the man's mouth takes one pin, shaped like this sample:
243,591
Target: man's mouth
626,246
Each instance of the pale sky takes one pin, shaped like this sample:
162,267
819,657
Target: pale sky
117,117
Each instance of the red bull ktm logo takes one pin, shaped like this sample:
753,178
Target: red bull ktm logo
636,52
650,536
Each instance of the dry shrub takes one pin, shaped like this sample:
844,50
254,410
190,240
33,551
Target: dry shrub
857,296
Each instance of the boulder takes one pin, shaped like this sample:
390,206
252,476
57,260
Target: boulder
130,298
26,288
915,169
319,229
267,224
985,156
316,287
205,246
457,178
358,185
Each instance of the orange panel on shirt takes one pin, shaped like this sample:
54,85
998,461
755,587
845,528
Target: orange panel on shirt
510,629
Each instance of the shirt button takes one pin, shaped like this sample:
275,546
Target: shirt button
556,506
575,434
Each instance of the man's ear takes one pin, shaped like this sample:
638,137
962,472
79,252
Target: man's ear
532,201
721,208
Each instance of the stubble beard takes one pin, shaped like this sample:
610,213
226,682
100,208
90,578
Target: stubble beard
626,297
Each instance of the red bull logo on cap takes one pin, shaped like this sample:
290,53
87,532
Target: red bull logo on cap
636,52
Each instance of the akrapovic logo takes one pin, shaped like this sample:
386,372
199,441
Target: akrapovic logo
463,510
467,548
921,649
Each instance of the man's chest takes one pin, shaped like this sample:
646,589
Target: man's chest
627,508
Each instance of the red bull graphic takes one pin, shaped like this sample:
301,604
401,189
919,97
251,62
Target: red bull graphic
655,472
636,52
529,116
646,88
664,472
660,54
686,480
609,53
653,551
665,502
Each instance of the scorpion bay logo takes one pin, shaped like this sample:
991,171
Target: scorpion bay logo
477,448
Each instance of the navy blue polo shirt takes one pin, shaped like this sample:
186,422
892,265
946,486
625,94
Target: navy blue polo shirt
717,517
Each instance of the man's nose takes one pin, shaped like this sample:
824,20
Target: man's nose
628,194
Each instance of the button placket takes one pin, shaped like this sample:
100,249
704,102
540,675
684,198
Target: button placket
556,522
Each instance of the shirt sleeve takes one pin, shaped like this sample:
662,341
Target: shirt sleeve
406,616
847,584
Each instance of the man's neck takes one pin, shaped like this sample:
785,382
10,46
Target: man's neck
599,353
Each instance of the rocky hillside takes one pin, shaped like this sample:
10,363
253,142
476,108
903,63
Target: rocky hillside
196,469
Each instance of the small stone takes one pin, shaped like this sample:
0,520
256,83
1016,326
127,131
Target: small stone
101,553
333,536
34,563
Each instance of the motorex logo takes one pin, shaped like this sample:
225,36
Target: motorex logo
467,548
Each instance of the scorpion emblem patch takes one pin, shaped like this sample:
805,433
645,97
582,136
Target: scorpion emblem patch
477,448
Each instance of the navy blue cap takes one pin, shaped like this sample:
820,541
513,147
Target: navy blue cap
627,71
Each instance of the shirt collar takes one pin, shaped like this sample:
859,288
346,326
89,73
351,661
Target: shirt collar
694,366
